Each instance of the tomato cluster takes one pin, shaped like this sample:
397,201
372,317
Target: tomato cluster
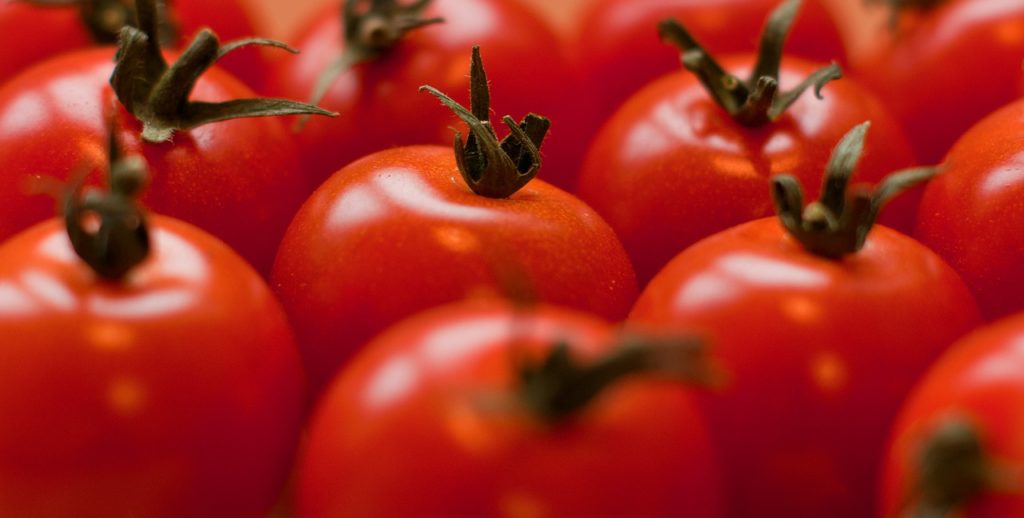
646,258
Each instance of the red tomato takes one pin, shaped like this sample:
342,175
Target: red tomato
970,214
618,50
431,421
175,392
399,231
378,100
967,409
819,353
671,166
237,179
947,68
29,34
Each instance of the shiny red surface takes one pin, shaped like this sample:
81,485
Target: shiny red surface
818,355
428,422
971,213
672,167
399,231
177,392
237,179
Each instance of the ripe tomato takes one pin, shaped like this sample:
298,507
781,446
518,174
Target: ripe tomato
377,97
237,179
175,392
31,33
618,51
820,347
671,166
446,395
947,67
956,448
970,214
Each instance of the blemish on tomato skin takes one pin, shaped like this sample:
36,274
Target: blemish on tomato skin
126,396
829,372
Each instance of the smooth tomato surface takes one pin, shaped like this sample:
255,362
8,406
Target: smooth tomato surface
30,34
980,381
672,167
381,107
177,392
947,69
427,421
399,231
971,212
819,355
238,180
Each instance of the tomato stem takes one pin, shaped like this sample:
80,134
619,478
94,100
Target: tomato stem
104,18
952,469
368,35
756,101
120,241
157,95
838,223
492,168
559,386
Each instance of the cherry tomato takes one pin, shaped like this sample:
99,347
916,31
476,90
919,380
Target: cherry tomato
947,67
29,33
956,446
237,179
618,51
430,420
971,212
175,392
378,101
820,353
399,231
671,166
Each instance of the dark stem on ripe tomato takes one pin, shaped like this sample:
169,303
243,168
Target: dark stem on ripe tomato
370,34
756,101
108,229
952,469
158,95
560,386
492,168
838,223
104,18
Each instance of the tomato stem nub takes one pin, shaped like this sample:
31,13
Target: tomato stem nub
492,168
838,223
559,386
121,240
370,34
758,100
104,18
157,94
952,469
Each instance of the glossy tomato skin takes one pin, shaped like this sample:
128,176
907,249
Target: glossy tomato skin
381,107
979,381
819,355
30,34
426,422
178,392
238,180
671,167
618,50
971,212
399,231
948,69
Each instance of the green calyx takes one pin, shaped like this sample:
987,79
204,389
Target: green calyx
838,223
370,33
493,168
118,238
560,386
158,94
756,101
105,18
952,469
